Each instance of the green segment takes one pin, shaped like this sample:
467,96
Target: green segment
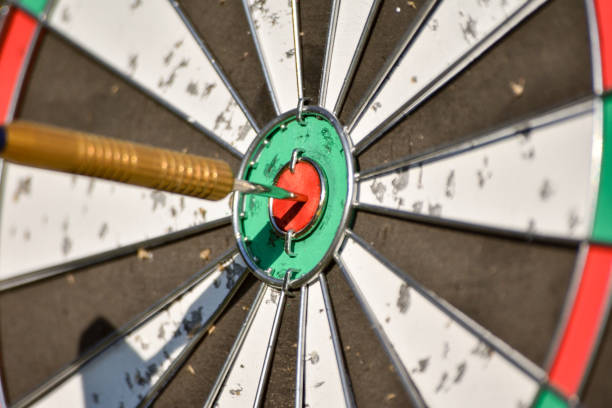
602,228
548,399
35,7
321,143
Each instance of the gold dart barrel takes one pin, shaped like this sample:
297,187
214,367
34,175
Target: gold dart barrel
81,153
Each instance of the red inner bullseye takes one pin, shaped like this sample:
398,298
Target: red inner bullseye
293,215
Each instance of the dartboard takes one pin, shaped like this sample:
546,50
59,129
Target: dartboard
453,248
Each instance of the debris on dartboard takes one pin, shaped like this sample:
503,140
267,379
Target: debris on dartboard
518,87
389,397
205,254
143,254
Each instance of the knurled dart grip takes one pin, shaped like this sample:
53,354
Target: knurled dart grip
81,153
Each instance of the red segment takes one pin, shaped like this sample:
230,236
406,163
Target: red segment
604,22
294,215
19,32
582,329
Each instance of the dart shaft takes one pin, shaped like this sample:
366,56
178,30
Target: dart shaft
81,153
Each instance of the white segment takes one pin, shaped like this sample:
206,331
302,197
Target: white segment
240,385
148,43
123,374
350,30
536,183
322,382
452,30
449,365
273,37
50,218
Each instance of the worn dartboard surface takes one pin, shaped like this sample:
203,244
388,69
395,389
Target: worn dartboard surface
472,274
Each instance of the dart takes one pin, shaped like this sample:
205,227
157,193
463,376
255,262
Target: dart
54,148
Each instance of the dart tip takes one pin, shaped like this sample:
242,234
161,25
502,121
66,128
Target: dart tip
247,187
301,198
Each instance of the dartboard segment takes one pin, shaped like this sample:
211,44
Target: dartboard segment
603,10
581,330
18,35
130,368
463,30
36,7
272,26
548,398
602,228
243,378
443,358
322,379
533,177
172,65
85,220
349,26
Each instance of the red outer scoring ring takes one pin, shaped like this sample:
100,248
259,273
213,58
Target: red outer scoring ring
604,24
292,215
18,37
582,329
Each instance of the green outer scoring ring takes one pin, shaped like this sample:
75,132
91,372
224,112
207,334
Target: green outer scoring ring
323,142
602,226
548,398
36,7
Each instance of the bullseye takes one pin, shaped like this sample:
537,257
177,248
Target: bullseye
289,240
289,215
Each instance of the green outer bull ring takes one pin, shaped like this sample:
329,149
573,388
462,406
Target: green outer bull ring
319,244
